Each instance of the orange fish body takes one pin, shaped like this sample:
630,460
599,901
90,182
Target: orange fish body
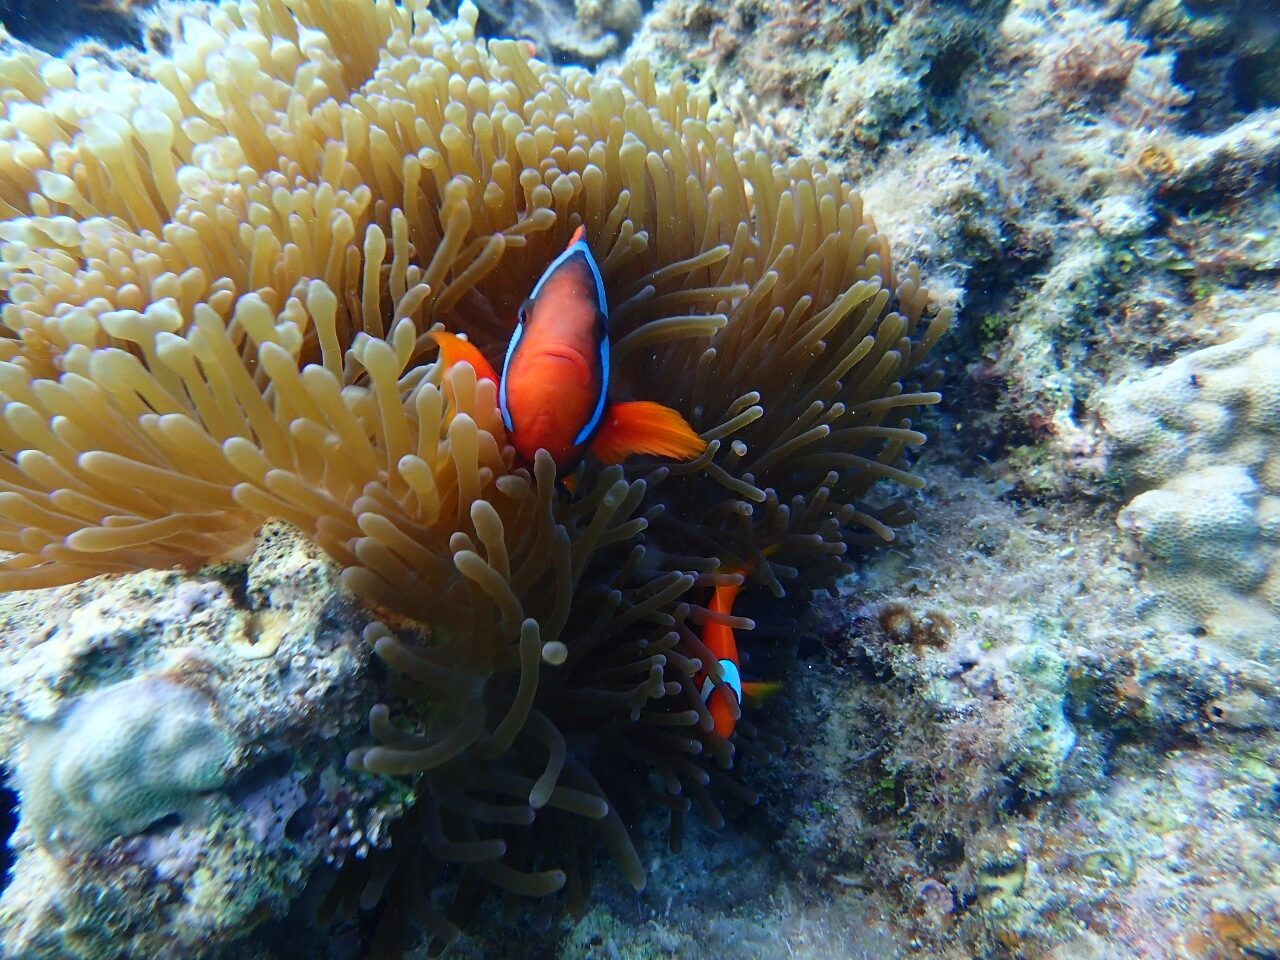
553,392
723,700
556,374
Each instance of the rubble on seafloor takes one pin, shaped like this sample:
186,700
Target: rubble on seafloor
1020,732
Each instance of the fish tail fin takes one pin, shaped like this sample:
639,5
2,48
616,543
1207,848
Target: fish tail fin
756,692
453,350
642,426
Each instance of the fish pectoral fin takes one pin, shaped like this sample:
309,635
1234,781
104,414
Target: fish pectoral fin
641,426
453,349
756,692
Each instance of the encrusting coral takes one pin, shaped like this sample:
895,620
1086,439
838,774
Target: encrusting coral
124,756
220,285
1196,440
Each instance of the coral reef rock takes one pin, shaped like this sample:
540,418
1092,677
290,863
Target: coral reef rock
1027,776
179,741
124,756
225,275
1198,437
582,32
1045,722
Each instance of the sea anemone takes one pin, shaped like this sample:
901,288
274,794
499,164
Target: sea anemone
221,280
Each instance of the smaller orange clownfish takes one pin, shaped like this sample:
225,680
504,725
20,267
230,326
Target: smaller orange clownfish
553,392
724,700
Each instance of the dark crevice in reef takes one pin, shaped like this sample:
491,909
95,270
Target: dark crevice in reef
56,26
297,935
260,775
993,288
943,77
971,387
941,849
1014,798
8,823
165,825
1253,81
235,577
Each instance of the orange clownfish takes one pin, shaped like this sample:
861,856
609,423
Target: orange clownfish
724,699
553,392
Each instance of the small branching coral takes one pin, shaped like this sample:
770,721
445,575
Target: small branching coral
221,282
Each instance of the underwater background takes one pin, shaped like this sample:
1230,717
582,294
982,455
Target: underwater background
1029,669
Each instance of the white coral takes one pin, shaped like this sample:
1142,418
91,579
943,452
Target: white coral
1217,405
1201,433
122,758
